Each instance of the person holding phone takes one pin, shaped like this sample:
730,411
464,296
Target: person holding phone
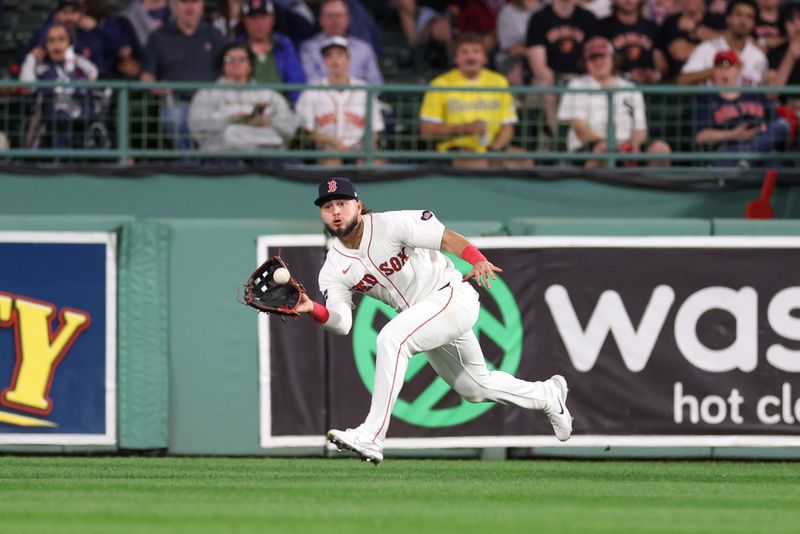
732,122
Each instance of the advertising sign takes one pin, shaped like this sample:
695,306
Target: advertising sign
663,341
57,338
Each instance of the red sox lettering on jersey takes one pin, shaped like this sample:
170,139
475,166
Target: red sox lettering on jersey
393,265
339,114
397,262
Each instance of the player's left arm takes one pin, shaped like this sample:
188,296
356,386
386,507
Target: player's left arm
482,269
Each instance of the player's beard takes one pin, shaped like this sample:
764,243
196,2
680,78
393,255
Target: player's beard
344,232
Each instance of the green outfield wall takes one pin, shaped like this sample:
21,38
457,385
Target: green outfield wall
452,197
188,354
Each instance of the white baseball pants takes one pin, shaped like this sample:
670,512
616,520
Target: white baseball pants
441,327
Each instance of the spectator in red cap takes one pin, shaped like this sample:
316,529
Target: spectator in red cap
732,122
587,113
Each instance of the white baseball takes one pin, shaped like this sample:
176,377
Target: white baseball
281,275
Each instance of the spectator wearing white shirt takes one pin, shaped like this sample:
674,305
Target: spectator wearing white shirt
740,19
336,119
587,113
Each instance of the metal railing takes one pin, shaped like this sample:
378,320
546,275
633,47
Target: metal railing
123,122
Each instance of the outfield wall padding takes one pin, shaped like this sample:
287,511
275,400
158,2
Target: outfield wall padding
142,335
188,352
756,227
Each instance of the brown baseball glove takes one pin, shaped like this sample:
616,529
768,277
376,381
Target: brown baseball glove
264,294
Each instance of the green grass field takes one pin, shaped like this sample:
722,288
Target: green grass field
110,494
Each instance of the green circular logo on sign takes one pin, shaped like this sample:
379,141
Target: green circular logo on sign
505,332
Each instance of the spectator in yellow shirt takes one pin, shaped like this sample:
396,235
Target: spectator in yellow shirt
469,121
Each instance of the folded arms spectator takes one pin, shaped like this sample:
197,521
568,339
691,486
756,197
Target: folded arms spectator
240,119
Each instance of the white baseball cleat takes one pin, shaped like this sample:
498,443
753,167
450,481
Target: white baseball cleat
558,414
349,440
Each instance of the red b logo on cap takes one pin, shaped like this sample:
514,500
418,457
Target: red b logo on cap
332,186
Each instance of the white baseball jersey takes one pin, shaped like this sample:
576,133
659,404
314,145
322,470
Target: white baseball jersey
398,261
754,62
339,114
629,113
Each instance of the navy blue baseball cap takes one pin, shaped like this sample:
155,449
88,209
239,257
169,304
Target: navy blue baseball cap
336,188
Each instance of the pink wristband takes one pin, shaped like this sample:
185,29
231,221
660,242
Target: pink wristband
472,255
319,313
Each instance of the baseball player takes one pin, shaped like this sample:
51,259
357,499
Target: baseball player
395,257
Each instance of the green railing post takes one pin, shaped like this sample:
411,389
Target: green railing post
611,133
123,125
368,146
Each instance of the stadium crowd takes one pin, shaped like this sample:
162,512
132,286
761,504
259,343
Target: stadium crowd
485,44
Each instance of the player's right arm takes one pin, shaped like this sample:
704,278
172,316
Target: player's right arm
336,314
